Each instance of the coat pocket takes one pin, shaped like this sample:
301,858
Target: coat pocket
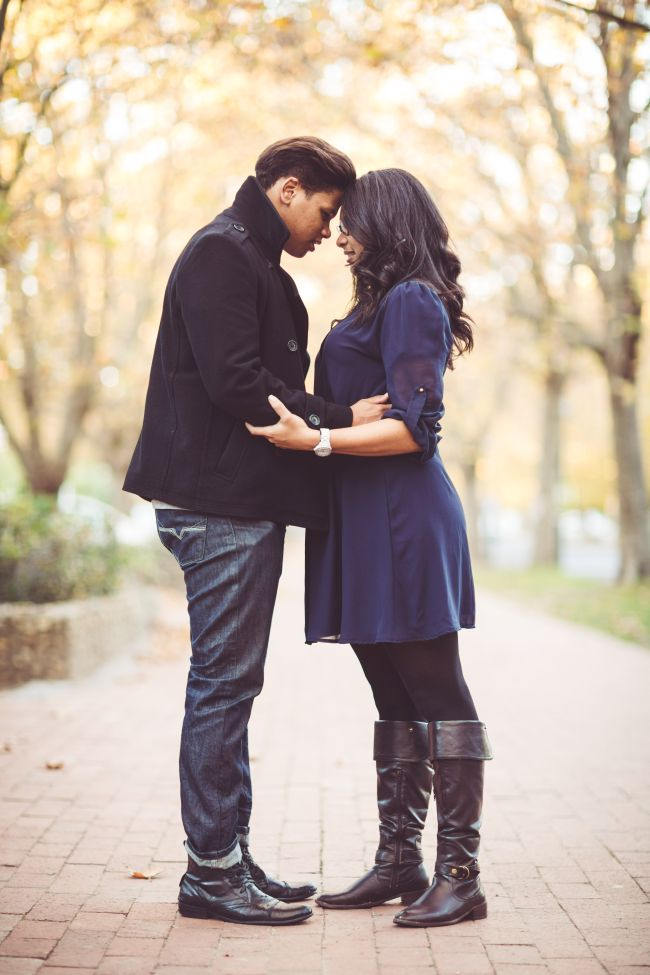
233,452
225,447
183,534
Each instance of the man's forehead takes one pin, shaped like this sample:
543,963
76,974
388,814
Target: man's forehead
329,199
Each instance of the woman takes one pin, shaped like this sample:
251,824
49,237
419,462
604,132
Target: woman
392,577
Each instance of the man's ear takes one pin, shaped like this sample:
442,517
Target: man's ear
289,186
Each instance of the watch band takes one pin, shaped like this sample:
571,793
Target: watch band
323,448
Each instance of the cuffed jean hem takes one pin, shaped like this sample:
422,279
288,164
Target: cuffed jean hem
222,863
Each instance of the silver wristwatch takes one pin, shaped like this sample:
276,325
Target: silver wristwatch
323,448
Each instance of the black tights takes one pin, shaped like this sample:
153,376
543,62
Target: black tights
419,681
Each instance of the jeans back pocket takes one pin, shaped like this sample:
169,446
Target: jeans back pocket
183,533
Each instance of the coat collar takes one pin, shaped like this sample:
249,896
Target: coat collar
253,207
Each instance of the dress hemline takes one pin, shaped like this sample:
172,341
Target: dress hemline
464,624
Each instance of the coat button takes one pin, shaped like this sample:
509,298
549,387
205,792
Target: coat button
292,345
240,227
314,419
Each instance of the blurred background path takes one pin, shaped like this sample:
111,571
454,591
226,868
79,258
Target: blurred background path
566,847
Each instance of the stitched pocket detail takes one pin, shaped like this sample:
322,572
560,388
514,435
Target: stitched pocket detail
184,535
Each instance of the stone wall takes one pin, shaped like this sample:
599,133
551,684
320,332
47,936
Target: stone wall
70,639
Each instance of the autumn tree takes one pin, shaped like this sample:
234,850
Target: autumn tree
70,84
580,79
607,188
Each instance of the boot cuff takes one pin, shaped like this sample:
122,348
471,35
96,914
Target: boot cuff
459,739
403,740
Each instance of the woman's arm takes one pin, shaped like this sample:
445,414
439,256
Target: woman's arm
382,438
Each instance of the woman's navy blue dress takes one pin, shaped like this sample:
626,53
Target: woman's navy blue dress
394,565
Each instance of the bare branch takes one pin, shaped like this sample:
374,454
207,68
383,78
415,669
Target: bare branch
626,22
3,17
46,97
3,25
576,337
564,145
81,393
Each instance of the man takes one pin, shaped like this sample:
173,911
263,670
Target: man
233,331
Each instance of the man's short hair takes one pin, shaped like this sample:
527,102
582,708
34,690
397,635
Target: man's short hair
318,165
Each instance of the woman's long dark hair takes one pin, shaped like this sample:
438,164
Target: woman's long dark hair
404,238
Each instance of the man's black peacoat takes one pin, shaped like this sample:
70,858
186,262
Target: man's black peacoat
233,330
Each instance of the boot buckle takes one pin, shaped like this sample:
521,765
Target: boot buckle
460,873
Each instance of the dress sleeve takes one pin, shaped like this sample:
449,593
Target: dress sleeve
415,341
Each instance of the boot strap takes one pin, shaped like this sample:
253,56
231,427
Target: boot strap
459,871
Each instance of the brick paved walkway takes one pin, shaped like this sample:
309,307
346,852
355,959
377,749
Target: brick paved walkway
566,848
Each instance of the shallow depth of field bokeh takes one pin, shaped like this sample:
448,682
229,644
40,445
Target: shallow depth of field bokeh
128,125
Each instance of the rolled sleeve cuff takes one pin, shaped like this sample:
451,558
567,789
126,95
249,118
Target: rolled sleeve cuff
423,429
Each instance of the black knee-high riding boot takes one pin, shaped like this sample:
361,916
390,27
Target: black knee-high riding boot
403,791
458,751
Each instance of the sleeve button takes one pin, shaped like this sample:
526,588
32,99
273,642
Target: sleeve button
314,419
292,345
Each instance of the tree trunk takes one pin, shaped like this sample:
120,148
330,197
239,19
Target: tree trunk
634,540
621,362
44,476
546,548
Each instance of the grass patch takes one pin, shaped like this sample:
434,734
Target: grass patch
623,610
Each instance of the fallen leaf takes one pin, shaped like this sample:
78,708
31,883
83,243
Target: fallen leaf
145,874
54,765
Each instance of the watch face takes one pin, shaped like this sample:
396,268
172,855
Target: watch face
323,451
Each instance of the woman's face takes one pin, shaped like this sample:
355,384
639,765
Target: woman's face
350,247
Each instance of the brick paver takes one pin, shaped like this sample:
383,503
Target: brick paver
566,836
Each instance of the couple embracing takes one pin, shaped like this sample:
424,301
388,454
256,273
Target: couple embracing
233,449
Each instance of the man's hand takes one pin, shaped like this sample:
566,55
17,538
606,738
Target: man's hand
290,432
369,410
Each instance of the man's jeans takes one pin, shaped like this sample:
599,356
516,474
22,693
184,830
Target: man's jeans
232,567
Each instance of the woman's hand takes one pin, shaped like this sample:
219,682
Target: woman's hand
370,409
290,432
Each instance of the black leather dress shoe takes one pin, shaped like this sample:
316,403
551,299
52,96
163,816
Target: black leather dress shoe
279,889
231,895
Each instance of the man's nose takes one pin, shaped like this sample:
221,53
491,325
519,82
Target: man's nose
326,232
